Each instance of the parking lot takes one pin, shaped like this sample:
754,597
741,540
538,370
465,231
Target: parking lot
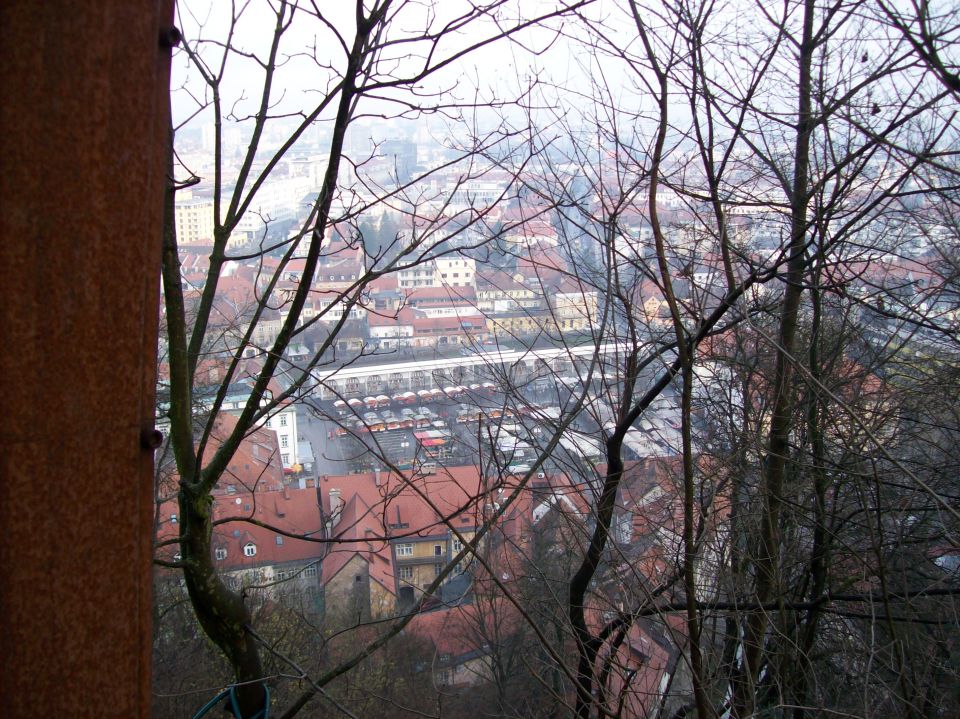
459,431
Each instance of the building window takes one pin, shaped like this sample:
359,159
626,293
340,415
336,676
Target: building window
438,550
283,420
404,550
406,573
279,539
285,458
231,489
310,571
457,545
173,519
437,568
284,441
220,553
250,549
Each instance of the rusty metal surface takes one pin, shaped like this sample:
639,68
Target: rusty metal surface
82,137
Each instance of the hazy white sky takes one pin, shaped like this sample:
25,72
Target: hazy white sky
311,56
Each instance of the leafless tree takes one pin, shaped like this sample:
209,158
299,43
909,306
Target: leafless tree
822,140
724,193
378,58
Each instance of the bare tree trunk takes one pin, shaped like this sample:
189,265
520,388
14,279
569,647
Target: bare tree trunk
221,612
768,550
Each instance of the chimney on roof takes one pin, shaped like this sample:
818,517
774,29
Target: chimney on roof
336,504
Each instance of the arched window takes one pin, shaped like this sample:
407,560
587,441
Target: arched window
250,549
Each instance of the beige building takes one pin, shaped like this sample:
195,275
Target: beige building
193,218
388,553
512,324
456,271
449,271
419,560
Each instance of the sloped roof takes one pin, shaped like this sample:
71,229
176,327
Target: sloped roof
361,534
403,316
447,324
455,493
467,629
444,296
291,511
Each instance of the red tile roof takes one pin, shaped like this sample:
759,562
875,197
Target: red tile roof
291,510
467,628
420,503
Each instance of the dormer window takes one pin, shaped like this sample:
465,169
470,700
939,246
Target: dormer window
250,549
220,553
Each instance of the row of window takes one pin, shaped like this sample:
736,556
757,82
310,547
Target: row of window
280,575
406,573
333,278
249,549
406,550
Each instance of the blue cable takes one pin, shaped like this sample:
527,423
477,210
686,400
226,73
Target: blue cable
234,705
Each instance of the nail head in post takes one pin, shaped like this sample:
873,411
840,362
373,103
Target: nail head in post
170,37
151,438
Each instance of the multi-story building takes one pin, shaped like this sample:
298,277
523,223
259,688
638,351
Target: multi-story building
447,271
391,330
252,555
391,550
456,271
445,331
574,306
282,420
478,193
284,423
423,275
499,292
193,216
259,550
532,233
